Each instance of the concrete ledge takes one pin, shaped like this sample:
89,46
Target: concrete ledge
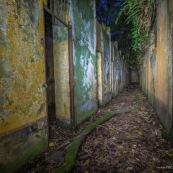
22,146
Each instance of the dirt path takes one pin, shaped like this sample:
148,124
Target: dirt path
130,142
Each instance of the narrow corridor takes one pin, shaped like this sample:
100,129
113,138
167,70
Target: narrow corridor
129,142
67,64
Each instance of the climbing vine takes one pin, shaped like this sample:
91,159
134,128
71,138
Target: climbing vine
135,21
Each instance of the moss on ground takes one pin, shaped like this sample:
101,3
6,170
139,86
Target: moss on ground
77,142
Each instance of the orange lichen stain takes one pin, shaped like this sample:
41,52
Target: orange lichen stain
41,25
25,95
7,107
161,87
93,90
13,123
1,53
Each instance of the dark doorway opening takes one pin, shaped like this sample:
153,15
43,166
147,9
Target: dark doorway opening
49,67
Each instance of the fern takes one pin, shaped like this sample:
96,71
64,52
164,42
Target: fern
133,11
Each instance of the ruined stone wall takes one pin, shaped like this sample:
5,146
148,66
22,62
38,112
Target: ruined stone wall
123,72
61,72
115,59
134,76
107,66
156,70
104,65
112,72
84,58
23,121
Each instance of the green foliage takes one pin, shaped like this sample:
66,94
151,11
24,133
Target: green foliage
139,17
104,26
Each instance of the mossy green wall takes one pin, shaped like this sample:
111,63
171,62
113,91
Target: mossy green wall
84,58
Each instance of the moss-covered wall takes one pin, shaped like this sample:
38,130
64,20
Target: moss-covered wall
84,58
22,75
156,70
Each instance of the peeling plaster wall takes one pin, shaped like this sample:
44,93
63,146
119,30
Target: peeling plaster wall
156,70
107,88
23,122
84,58
100,79
121,71
100,69
115,69
112,72
134,76
61,72
104,65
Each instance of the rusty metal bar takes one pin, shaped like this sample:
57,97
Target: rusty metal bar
71,81
51,5
64,11
61,14
44,42
54,15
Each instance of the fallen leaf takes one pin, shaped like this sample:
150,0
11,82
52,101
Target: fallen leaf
51,144
128,134
170,154
87,163
139,132
111,129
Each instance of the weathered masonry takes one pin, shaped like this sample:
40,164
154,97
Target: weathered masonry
156,70
112,72
23,114
104,65
120,70
48,62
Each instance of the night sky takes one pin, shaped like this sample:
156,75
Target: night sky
107,11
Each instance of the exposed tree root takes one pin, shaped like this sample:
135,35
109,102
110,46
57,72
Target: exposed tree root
74,148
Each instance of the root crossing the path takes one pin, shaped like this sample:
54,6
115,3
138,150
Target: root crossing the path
131,141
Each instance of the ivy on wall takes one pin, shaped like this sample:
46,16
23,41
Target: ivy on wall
134,23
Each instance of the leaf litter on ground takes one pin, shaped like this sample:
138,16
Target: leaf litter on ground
130,142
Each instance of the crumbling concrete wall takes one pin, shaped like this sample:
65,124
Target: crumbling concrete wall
107,66
112,71
115,72
104,65
134,76
156,70
121,75
61,72
84,58
23,121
